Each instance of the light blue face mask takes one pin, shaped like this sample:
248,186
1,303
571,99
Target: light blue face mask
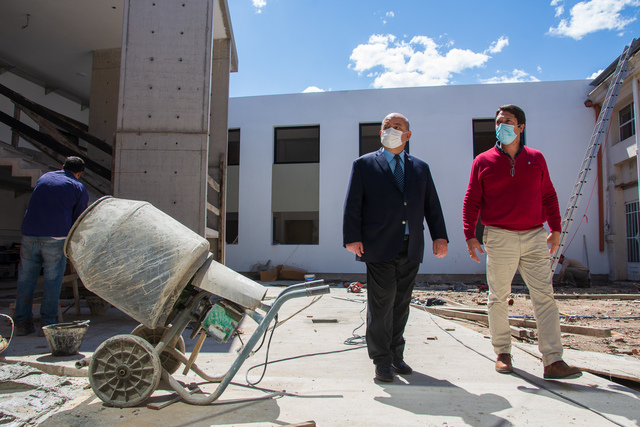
505,134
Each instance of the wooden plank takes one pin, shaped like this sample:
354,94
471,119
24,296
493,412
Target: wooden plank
619,366
213,209
596,296
43,139
222,202
53,132
522,323
57,119
211,233
213,184
454,313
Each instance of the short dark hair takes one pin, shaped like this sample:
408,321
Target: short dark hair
73,164
515,110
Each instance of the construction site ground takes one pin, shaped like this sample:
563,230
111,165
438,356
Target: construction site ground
320,367
621,316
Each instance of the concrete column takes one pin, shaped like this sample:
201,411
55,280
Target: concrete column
105,77
164,107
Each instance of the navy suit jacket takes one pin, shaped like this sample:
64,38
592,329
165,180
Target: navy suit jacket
375,210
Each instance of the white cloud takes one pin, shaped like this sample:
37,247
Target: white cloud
419,62
590,16
389,14
516,76
497,46
312,89
539,69
594,75
259,4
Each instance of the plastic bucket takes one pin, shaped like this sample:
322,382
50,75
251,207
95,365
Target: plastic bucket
65,339
134,256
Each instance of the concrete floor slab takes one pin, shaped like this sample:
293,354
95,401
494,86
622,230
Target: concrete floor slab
331,383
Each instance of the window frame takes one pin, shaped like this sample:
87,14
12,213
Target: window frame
275,144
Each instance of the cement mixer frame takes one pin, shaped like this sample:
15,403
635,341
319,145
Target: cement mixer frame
161,274
126,369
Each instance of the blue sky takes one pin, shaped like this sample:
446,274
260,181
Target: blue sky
293,46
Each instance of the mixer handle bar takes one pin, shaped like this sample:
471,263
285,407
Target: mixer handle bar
317,287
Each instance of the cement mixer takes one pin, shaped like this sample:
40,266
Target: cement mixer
162,274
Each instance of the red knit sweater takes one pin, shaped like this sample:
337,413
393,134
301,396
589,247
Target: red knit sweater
520,202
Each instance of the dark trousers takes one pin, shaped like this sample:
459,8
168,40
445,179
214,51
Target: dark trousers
389,288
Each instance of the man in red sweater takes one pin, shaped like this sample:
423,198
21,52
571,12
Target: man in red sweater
511,189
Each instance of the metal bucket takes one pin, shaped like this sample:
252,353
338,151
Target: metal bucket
134,256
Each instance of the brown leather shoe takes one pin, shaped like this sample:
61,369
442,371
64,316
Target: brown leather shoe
503,364
561,371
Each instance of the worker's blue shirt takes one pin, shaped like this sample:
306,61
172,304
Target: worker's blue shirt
57,201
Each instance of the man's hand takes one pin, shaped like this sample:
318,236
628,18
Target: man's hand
472,245
553,239
440,248
356,248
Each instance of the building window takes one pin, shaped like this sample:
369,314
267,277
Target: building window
295,228
297,144
369,137
484,138
231,230
627,122
233,150
233,187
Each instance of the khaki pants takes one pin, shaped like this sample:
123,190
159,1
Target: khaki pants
527,251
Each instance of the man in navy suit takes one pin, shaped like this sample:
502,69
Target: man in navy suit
390,195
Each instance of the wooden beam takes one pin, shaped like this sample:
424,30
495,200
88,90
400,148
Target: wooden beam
42,139
211,233
53,132
222,202
595,296
57,119
213,209
213,184
521,323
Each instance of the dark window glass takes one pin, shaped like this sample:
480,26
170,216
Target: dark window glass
369,137
295,228
233,151
231,229
297,145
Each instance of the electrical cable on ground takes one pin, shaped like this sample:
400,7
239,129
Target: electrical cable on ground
357,339
537,384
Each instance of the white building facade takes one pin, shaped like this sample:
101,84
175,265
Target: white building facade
287,201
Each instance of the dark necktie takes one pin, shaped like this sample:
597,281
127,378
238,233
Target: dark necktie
399,174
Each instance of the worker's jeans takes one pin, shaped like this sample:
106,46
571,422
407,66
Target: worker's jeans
36,253
528,252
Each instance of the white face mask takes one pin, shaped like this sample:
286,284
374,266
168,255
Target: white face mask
391,138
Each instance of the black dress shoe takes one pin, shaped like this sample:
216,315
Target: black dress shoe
384,373
399,367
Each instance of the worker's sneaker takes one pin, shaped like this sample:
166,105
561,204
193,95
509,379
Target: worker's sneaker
400,367
24,328
561,371
503,364
384,373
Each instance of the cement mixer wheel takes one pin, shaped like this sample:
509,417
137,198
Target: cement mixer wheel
124,371
153,336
